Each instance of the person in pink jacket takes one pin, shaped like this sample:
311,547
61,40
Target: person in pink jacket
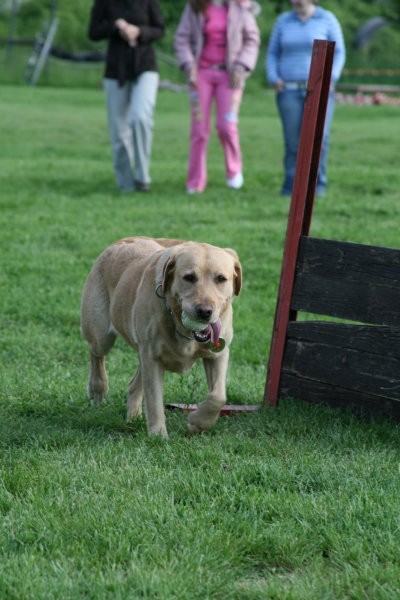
216,45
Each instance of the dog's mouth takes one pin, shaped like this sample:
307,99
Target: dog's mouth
202,332
209,334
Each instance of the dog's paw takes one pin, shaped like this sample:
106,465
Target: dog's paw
202,420
96,396
194,428
158,430
133,413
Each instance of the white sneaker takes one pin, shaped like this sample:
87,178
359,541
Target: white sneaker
191,191
235,182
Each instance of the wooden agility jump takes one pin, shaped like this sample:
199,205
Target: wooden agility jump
354,364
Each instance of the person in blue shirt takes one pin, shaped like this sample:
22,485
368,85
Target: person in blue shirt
288,63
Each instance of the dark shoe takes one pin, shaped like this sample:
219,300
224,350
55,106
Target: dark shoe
140,186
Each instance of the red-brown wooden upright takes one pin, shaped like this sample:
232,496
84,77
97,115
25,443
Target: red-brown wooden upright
301,204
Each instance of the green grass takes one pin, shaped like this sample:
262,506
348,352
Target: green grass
295,503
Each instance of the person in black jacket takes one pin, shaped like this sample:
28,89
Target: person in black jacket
130,81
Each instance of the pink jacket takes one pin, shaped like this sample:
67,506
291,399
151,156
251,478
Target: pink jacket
243,37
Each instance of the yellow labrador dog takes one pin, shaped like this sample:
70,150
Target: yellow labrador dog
172,302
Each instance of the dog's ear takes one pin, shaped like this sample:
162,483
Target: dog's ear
165,269
237,283
238,278
168,271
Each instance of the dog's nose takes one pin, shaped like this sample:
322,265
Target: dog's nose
203,312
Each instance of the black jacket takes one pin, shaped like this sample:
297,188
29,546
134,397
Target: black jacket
123,62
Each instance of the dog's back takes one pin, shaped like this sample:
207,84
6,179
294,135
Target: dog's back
112,263
104,277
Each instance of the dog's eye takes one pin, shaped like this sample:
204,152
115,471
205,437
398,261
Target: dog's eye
221,279
190,277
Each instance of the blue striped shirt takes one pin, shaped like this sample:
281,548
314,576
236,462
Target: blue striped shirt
290,46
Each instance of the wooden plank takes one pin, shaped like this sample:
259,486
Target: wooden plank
302,202
383,341
316,392
364,262
347,300
362,371
349,281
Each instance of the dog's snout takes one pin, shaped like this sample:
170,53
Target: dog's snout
203,312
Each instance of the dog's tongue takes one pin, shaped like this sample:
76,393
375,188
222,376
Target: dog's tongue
215,331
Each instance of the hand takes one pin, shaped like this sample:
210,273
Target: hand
192,76
128,31
132,33
279,85
237,77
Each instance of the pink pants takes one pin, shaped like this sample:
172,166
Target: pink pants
213,84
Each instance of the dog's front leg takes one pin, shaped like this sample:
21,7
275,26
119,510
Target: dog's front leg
153,383
207,413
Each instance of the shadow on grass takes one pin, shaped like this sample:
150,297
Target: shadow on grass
60,425
53,423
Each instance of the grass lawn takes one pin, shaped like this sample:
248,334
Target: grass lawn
294,503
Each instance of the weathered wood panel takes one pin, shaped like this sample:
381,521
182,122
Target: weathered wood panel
352,369
348,281
335,355
316,392
381,340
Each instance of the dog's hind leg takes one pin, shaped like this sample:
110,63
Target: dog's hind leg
97,387
96,329
207,413
135,396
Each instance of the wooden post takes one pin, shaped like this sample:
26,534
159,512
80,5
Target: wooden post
302,203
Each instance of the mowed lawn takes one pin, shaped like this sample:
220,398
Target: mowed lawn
296,502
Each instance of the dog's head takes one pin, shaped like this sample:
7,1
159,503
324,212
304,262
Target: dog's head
199,282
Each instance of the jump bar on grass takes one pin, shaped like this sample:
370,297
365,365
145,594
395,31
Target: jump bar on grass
228,409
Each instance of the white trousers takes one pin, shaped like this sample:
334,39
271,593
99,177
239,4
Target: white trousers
130,111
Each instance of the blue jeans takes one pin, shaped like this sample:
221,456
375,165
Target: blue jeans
291,106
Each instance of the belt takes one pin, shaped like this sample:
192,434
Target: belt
218,67
295,85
